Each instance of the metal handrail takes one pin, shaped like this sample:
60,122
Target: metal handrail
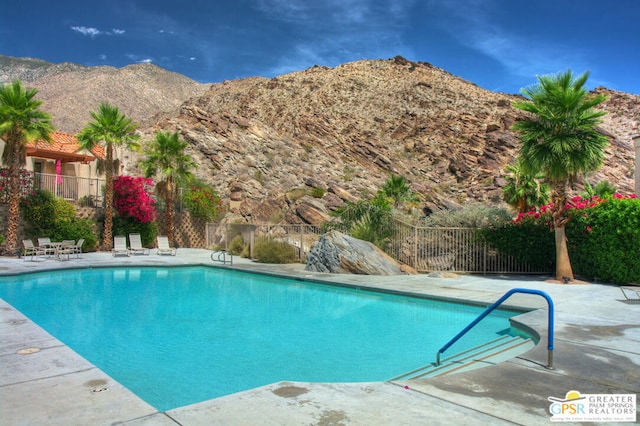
498,303
221,256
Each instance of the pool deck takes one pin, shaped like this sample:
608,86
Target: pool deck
597,351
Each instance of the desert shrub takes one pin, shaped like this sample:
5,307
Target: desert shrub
49,216
269,250
317,192
472,216
237,245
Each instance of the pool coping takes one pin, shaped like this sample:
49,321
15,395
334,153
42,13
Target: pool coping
596,352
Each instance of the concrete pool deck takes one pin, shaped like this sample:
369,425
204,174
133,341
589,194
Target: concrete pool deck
597,351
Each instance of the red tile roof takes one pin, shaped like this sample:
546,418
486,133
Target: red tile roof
63,146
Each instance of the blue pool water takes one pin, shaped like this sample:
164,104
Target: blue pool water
176,336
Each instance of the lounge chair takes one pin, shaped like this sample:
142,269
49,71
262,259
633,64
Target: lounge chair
163,246
120,246
632,294
44,243
135,245
31,250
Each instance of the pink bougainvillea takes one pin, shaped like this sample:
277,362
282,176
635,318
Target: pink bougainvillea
132,198
26,184
575,203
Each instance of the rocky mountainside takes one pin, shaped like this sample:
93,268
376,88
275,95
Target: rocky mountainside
346,129
266,143
70,91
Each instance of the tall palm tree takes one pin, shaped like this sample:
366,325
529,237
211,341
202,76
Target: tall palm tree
21,122
110,128
166,155
560,140
524,191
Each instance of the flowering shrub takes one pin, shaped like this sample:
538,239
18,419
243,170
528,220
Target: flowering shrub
603,238
26,184
132,199
202,201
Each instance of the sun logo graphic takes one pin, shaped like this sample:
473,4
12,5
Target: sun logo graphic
577,407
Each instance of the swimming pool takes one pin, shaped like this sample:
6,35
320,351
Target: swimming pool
180,335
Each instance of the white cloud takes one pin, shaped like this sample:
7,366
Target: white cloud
88,31
139,59
93,32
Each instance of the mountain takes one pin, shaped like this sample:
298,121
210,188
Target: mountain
266,143
70,91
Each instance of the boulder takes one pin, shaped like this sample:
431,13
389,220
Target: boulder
339,253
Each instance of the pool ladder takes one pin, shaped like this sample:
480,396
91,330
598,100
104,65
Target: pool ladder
222,256
493,307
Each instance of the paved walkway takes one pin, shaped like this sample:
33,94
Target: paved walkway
597,351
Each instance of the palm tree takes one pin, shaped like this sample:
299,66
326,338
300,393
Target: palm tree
110,128
166,155
560,140
524,191
397,188
21,122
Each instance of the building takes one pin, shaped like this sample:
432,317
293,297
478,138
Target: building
65,169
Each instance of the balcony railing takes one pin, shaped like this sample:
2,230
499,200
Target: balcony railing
86,192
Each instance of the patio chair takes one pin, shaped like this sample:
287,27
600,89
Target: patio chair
66,247
163,246
135,245
31,250
120,246
45,244
77,249
632,294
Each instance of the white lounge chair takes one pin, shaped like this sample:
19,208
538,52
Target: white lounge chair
135,245
120,246
31,250
631,293
163,246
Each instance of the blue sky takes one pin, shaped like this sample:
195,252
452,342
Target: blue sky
500,45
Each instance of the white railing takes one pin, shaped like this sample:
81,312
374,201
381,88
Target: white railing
88,192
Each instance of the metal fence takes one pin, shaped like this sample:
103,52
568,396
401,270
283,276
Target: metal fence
450,249
424,249
302,237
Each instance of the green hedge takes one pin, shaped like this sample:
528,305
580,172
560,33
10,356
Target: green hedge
603,240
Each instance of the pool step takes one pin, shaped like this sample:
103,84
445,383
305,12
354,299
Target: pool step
489,353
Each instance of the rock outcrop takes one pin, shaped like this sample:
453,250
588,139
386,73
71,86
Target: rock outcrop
342,254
